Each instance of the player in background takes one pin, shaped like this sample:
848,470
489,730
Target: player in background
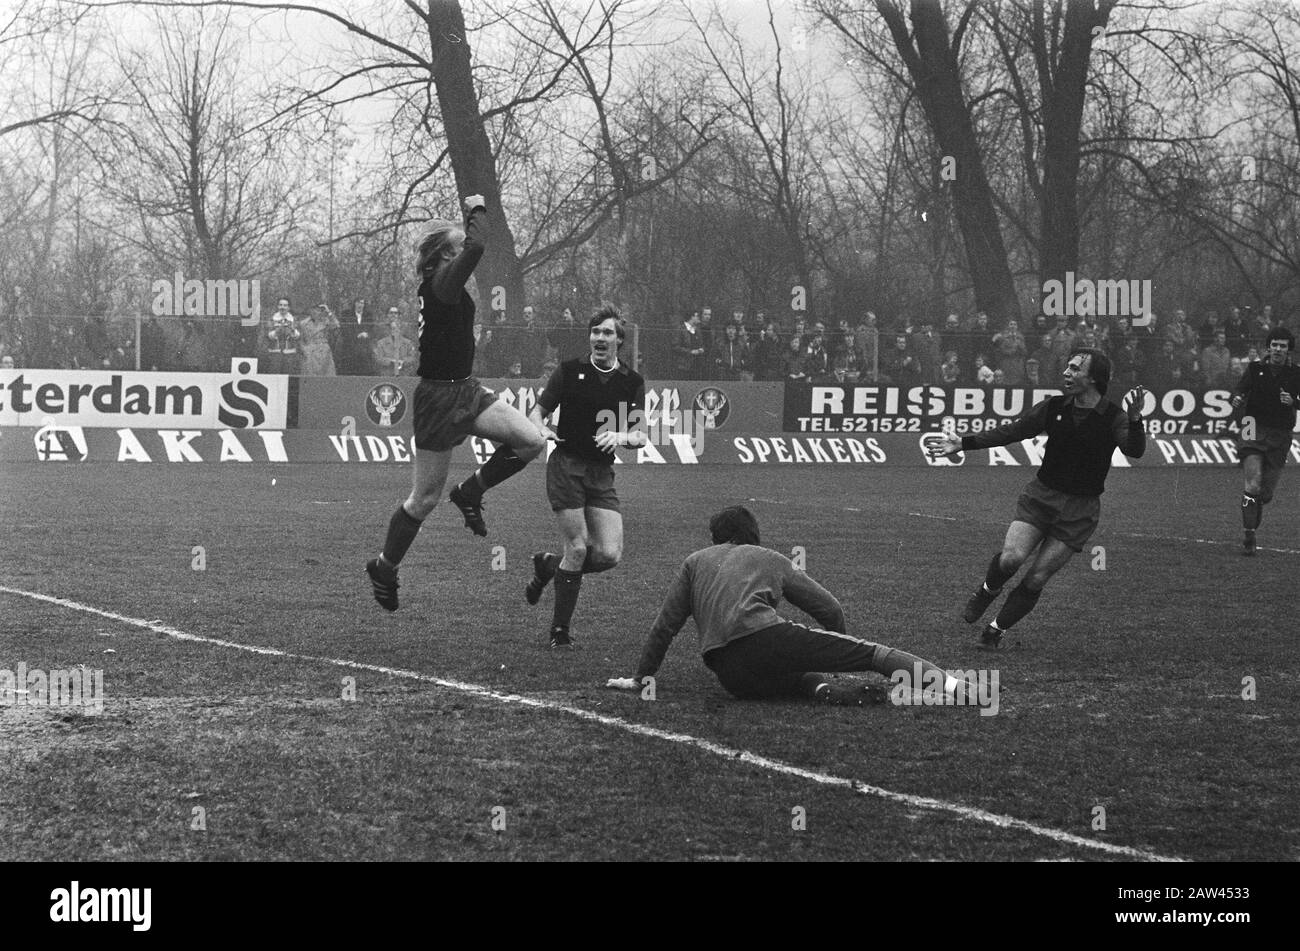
450,403
1058,510
601,401
732,589
1265,398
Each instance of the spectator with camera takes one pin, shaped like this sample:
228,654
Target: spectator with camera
281,339
317,354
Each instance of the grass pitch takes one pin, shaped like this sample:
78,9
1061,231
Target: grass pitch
1126,691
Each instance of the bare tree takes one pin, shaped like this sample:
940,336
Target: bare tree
930,53
1244,192
769,140
206,193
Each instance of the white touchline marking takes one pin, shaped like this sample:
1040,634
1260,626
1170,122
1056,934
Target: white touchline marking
727,752
1161,538
1205,541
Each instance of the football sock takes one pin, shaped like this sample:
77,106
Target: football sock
589,567
567,585
402,529
501,466
890,659
553,561
887,660
1251,512
996,577
1018,603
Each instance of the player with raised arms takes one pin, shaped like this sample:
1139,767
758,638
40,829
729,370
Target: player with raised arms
1059,509
450,403
733,588
601,401
1266,398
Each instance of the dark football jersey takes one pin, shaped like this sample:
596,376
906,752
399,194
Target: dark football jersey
447,310
1262,385
591,399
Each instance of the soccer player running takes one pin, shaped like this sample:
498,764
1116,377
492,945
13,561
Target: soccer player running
1266,398
450,403
732,589
1058,510
601,401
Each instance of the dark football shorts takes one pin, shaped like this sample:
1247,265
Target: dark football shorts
1273,444
445,411
770,662
1068,518
576,483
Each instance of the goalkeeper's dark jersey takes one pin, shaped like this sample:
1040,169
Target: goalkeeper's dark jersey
447,310
1262,386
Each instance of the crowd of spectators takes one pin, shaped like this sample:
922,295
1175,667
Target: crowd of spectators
321,343
1163,354
318,343
1173,352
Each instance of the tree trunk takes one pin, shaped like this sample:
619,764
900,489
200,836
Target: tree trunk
500,278
932,64
1063,87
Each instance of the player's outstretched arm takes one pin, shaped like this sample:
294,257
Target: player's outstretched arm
672,615
1027,426
1130,434
948,444
451,280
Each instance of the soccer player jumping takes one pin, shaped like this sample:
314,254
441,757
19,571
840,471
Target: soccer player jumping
1059,509
450,403
1266,397
601,402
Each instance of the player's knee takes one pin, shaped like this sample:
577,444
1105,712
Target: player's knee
419,505
1035,581
605,557
531,447
576,550
1011,559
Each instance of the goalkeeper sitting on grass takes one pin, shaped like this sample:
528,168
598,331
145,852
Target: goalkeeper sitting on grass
732,589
